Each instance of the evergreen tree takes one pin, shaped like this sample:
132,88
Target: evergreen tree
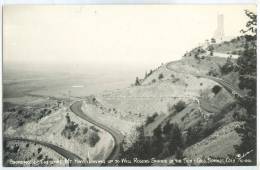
175,139
167,129
194,134
247,72
157,142
137,82
146,75
140,149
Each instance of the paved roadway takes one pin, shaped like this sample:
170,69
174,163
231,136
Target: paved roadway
65,153
117,136
75,160
224,55
230,88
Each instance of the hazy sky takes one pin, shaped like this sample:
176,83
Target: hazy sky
107,34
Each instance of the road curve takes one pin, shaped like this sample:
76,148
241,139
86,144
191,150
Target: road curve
229,87
117,136
65,153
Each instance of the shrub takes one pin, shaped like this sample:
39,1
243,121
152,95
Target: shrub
67,118
70,128
211,49
228,66
177,107
213,72
160,76
213,40
151,72
93,139
40,157
216,89
94,128
137,82
150,119
175,80
180,106
39,150
46,158
153,81
85,130
20,122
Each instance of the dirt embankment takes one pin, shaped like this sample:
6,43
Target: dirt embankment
219,144
21,153
51,129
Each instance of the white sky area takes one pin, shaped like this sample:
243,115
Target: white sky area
139,35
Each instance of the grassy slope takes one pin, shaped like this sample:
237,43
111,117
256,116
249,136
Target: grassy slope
234,46
29,151
133,104
157,96
49,129
219,144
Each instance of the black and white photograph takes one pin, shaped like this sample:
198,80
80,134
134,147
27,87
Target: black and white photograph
129,85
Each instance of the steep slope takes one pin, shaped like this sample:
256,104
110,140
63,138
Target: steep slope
235,46
206,119
219,144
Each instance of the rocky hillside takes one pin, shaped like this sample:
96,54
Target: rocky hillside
179,93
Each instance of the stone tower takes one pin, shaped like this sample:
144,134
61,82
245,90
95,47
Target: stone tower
219,33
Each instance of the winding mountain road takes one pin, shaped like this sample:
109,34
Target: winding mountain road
74,159
229,87
117,136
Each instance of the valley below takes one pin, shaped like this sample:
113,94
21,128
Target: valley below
183,112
